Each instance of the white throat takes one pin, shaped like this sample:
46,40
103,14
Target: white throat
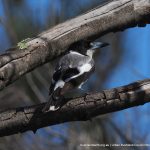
90,53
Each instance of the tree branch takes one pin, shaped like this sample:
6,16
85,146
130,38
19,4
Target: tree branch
53,43
79,109
111,17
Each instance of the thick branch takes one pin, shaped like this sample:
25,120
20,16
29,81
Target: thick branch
79,109
111,17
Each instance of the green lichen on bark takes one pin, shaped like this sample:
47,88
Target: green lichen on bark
23,44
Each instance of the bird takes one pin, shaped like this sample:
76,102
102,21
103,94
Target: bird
71,72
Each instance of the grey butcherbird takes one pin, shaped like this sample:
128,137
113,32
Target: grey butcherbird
72,70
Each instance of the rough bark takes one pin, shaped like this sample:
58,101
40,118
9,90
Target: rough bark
111,17
80,109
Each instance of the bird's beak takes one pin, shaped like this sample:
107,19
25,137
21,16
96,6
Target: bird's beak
95,45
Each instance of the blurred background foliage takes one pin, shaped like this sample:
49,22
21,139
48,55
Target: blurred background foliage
124,61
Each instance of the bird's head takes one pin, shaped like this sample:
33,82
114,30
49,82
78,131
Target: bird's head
94,46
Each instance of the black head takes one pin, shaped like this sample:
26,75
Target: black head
83,45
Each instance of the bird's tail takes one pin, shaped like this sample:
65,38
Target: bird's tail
51,105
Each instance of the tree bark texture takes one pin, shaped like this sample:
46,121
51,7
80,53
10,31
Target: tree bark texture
84,108
114,16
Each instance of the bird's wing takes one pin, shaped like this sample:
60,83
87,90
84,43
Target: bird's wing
73,60
62,74
68,68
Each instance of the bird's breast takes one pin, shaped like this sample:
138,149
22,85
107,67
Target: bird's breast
85,68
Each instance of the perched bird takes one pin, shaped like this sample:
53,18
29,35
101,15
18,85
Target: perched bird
72,70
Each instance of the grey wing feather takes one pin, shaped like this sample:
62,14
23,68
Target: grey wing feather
72,60
68,67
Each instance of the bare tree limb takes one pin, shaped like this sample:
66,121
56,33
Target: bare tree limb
54,42
114,16
79,109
